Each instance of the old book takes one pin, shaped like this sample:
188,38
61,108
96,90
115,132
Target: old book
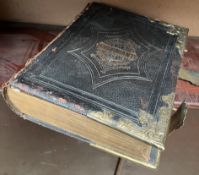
108,79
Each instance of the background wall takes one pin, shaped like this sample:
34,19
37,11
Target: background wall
181,12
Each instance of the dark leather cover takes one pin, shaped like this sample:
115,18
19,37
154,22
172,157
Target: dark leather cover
113,66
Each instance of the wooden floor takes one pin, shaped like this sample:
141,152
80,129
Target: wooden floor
26,148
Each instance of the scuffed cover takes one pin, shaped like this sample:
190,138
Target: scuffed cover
113,66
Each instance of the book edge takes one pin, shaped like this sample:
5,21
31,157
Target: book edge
154,157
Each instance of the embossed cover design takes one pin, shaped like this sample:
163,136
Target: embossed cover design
116,67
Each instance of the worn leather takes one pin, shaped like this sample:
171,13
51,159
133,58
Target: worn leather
112,66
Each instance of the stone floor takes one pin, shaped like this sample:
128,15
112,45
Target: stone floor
26,148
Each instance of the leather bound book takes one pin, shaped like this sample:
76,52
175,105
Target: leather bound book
108,79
